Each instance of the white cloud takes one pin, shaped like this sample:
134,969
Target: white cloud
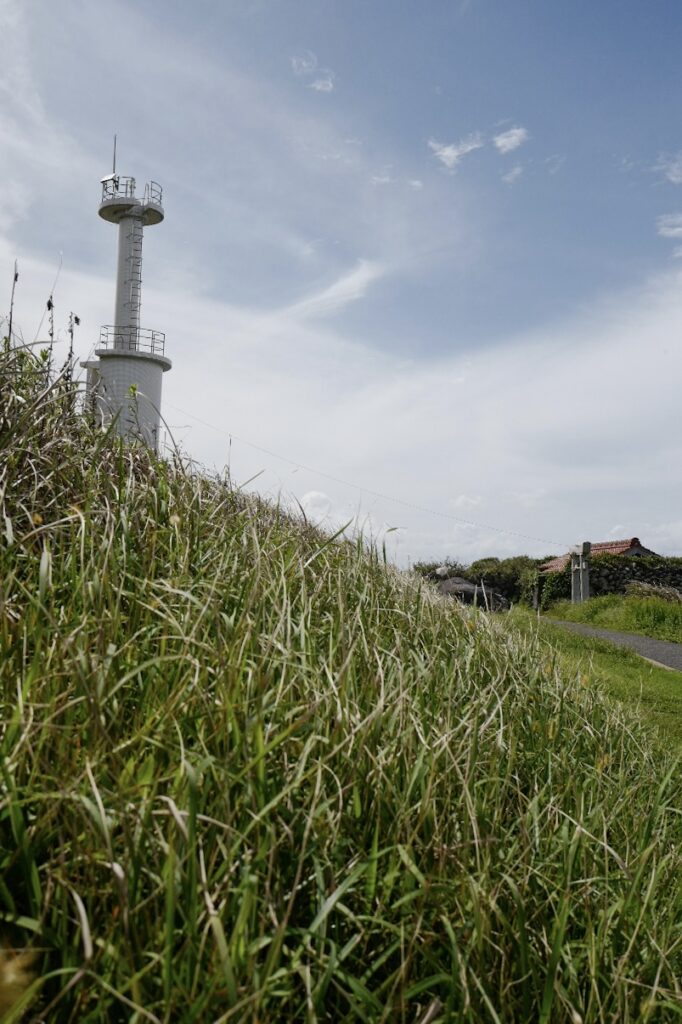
15,202
416,184
512,176
324,510
350,287
662,536
293,177
671,166
451,154
554,163
508,432
306,250
669,225
529,499
34,148
305,64
317,506
381,179
323,84
464,501
507,142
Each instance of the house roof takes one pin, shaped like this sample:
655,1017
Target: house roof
606,547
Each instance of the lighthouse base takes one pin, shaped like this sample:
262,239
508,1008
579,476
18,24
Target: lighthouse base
125,388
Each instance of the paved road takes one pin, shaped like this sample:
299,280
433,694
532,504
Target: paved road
663,651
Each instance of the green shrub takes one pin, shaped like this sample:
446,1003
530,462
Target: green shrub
554,586
513,578
636,588
649,616
428,569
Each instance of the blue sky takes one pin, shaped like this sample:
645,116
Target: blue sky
428,248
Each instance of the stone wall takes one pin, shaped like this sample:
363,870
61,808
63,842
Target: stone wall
610,574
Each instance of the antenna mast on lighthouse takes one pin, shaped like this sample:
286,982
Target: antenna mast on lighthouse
124,381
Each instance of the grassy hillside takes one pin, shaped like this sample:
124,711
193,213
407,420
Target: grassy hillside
251,774
652,692
649,616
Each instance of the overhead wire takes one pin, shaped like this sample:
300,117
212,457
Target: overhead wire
368,490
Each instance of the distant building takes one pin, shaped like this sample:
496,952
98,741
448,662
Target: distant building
631,547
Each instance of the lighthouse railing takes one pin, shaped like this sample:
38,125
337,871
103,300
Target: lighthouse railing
132,339
118,187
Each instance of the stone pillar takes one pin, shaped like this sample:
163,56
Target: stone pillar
580,573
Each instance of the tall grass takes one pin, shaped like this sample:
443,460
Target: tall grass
653,616
249,773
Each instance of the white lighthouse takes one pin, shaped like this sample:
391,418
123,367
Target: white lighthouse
124,381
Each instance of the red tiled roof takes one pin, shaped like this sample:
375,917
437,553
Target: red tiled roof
606,547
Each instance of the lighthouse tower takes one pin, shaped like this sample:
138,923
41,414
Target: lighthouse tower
124,381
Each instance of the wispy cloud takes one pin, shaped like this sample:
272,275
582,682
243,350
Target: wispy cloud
416,184
554,163
528,499
312,185
323,84
15,202
332,402
381,179
671,166
507,142
450,154
513,176
304,64
466,501
320,508
669,225
350,287
317,506
33,147
326,402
